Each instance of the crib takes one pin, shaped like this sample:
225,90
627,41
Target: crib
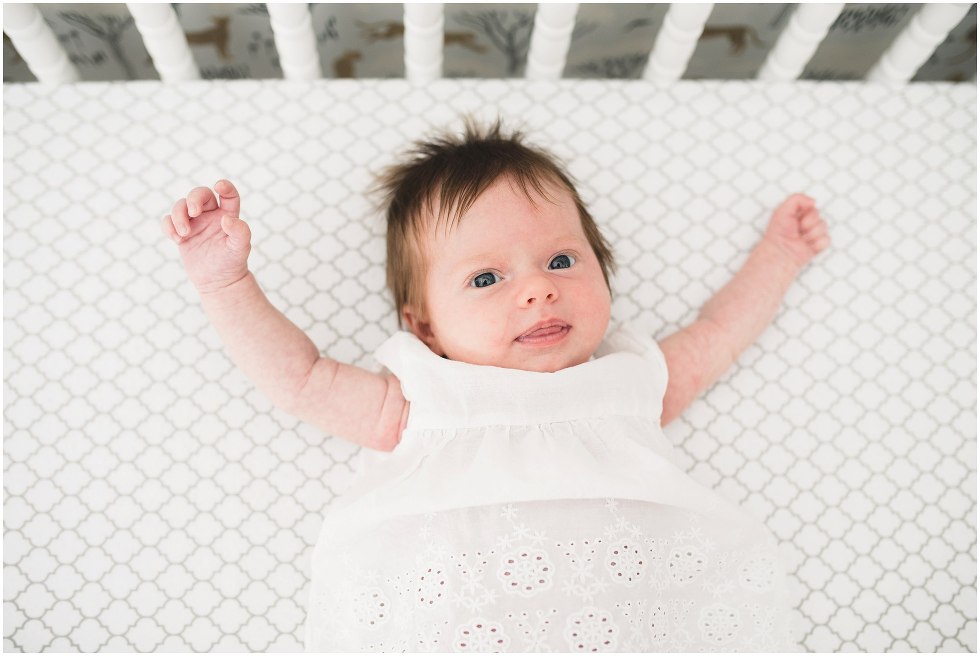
154,501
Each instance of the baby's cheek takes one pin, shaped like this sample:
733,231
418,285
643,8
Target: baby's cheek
479,338
599,313
596,298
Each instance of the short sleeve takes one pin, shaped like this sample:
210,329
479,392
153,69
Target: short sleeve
626,337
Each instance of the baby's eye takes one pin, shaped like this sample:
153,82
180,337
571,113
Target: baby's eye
484,279
562,262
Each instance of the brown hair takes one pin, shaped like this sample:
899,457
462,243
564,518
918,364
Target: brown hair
454,170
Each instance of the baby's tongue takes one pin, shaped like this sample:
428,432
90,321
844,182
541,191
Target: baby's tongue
542,332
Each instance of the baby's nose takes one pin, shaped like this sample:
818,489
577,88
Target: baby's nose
539,290
548,297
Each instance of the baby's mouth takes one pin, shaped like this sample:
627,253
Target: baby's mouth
545,333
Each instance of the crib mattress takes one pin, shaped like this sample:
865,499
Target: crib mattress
155,501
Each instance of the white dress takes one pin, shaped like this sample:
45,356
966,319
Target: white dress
527,511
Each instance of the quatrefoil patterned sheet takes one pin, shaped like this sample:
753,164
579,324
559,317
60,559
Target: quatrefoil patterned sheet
155,501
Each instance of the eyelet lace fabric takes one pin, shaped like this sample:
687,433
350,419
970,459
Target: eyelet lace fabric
539,512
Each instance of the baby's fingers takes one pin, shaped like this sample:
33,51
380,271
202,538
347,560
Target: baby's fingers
199,200
239,234
181,217
812,225
168,229
796,204
817,235
820,244
231,202
809,220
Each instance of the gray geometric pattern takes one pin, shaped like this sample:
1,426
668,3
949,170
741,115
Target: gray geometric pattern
154,501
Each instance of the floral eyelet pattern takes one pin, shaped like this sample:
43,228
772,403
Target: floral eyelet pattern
756,573
625,562
686,564
719,624
591,630
526,571
579,576
371,608
479,635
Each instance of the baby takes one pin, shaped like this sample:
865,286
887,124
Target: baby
520,494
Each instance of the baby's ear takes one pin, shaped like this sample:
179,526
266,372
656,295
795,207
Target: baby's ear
421,329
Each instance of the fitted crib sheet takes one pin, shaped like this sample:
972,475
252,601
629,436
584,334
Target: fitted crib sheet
153,500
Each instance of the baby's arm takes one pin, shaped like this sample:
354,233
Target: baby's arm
734,318
274,353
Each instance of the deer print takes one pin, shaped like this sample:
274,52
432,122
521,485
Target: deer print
343,66
375,32
464,39
217,36
736,35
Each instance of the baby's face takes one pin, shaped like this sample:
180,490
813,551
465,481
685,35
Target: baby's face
514,284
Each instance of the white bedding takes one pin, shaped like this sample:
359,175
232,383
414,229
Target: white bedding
155,501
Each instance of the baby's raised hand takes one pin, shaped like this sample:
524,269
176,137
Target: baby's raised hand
797,229
214,243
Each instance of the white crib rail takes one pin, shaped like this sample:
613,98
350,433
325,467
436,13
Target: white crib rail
295,39
548,51
165,41
799,40
676,41
913,46
551,37
37,44
424,36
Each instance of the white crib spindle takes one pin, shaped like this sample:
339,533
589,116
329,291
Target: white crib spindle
912,47
165,41
423,41
796,45
676,41
37,44
292,28
550,39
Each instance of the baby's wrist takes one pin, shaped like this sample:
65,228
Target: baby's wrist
225,289
771,251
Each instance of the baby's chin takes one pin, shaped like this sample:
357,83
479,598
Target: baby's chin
549,369
549,365
540,363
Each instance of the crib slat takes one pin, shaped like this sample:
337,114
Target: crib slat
165,41
676,41
918,40
292,28
550,39
37,44
806,29
424,37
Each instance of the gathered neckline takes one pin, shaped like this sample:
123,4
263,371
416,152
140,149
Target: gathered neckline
619,380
